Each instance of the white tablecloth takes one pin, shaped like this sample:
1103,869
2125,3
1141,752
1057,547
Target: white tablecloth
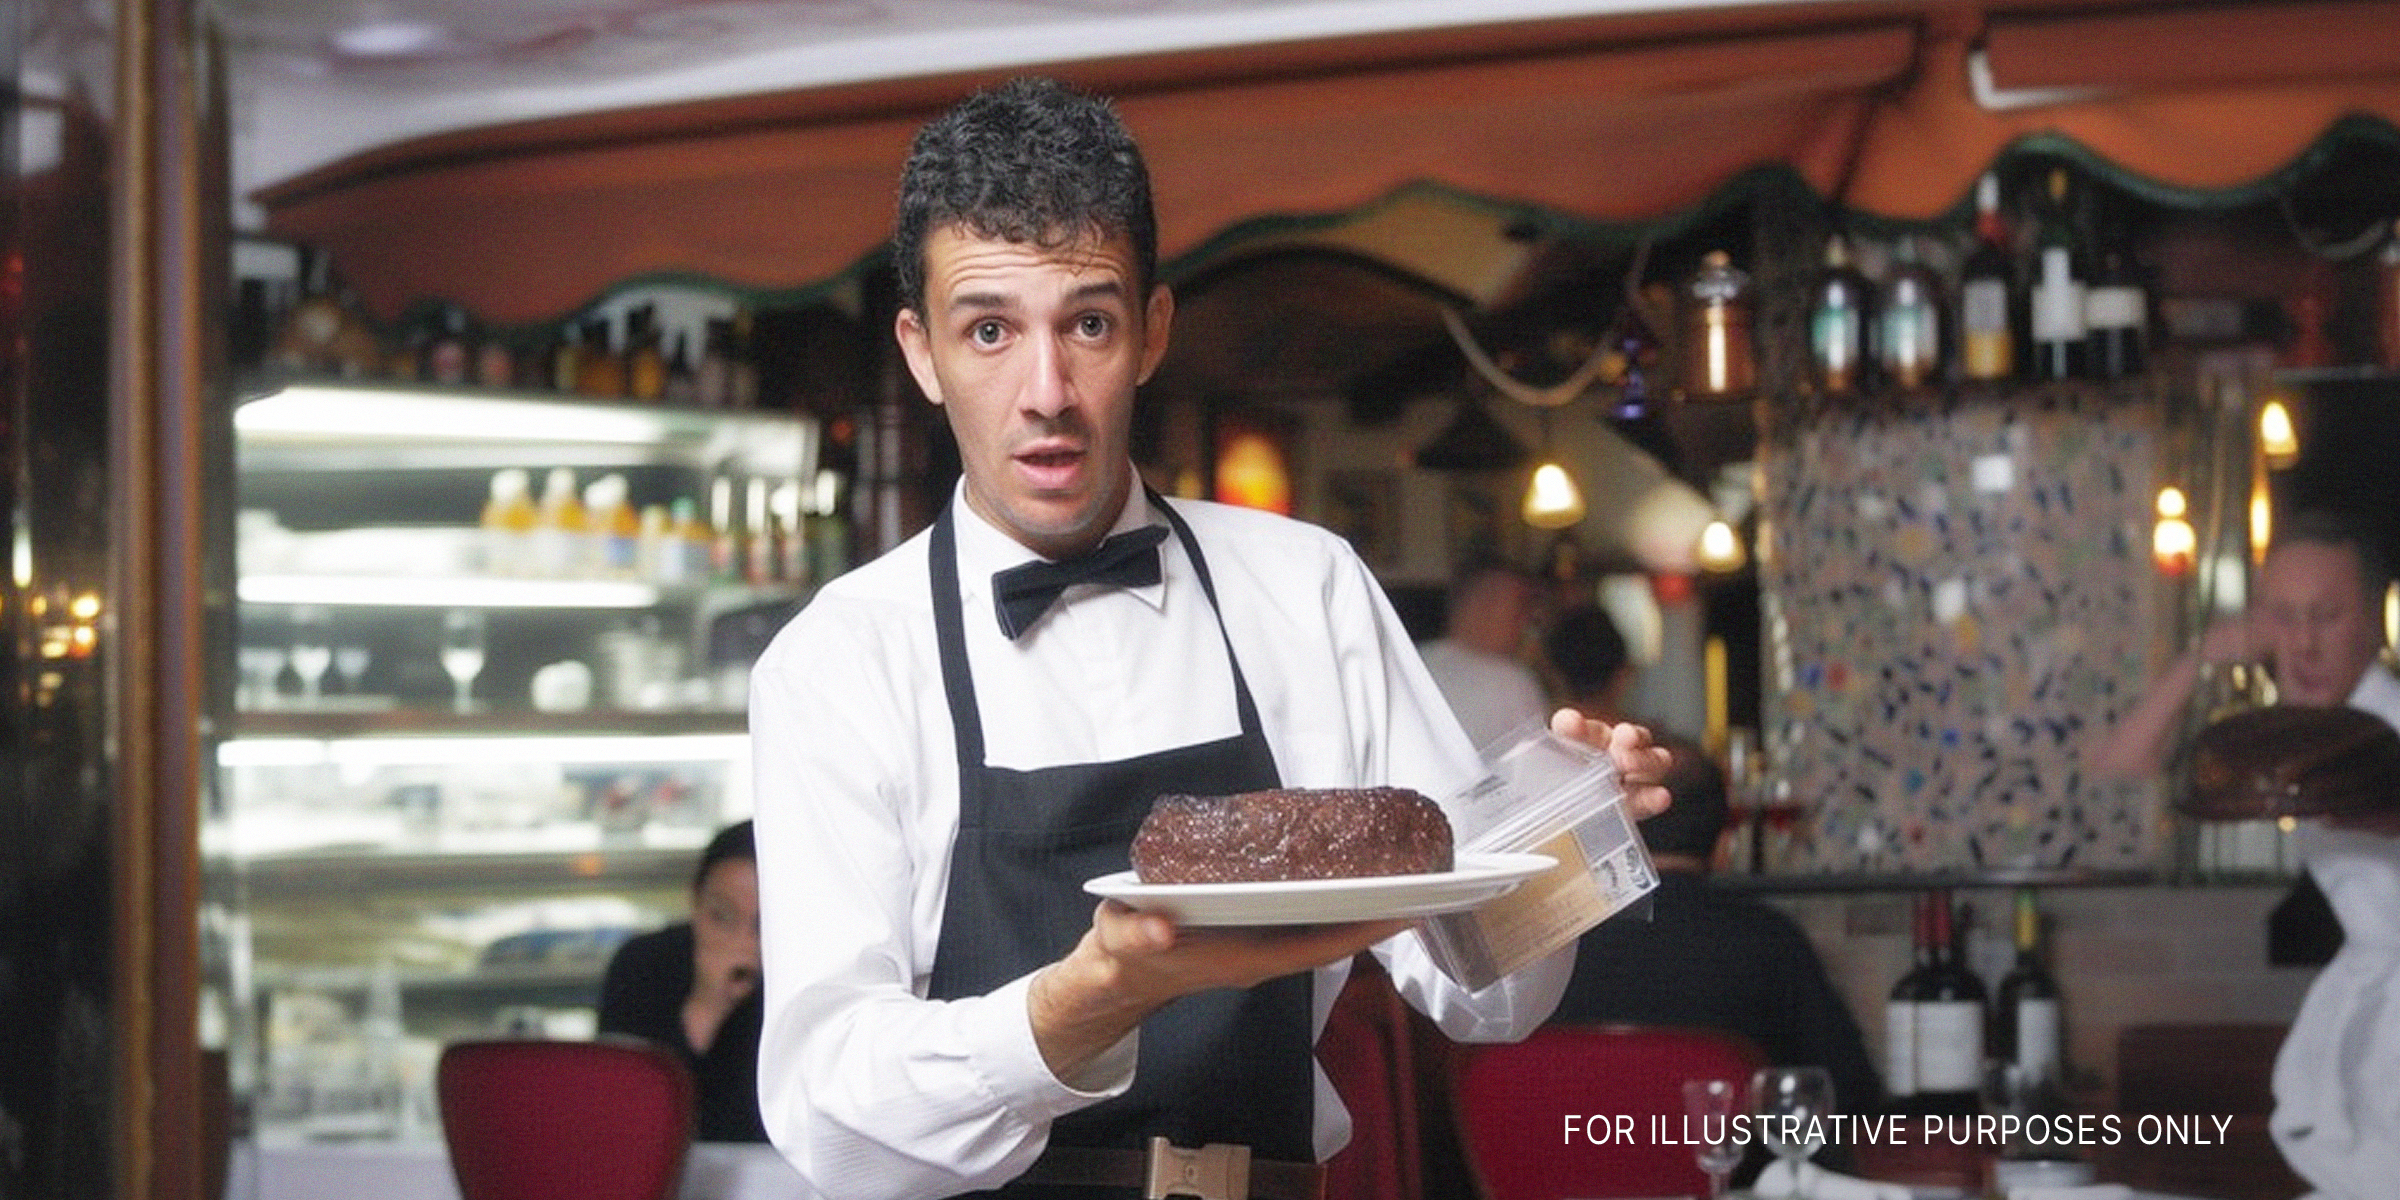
421,1171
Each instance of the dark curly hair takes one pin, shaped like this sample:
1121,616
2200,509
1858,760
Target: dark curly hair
1031,161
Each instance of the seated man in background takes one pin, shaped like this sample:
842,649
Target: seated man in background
693,987
2316,620
1590,659
1475,662
1716,959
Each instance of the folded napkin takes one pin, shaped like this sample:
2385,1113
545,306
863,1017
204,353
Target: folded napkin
1817,1183
2082,1191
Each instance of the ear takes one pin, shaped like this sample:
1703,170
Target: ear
916,345
1156,318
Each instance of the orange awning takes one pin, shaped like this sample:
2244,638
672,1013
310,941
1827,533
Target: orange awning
1621,119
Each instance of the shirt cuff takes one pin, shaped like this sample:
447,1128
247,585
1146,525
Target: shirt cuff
1018,1074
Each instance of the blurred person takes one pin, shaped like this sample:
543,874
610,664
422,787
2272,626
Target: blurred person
1477,661
952,739
693,986
2316,621
1714,958
1589,657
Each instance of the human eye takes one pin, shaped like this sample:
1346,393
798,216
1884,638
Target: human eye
987,332
1094,326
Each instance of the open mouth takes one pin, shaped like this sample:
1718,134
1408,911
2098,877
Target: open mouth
1050,467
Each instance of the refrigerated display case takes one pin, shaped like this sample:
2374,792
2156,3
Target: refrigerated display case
492,652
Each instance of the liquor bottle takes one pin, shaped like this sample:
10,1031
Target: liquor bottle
1950,1016
566,358
2115,318
2056,299
1837,323
645,362
1900,1012
601,364
712,377
682,386
1910,323
1720,362
725,551
741,386
2025,1026
446,356
1987,294
762,560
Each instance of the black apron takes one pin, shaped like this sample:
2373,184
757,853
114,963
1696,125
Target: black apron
1227,1065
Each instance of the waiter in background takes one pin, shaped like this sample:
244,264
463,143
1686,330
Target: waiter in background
951,739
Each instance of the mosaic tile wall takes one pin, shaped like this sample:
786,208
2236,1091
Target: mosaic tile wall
1956,597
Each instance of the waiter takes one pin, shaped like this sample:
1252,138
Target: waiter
953,738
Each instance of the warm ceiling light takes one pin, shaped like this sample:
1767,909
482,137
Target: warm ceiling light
1720,550
1552,501
2171,502
2278,441
388,39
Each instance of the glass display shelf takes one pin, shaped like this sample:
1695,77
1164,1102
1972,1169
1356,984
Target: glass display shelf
476,745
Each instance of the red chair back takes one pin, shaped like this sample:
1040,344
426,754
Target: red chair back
553,1120
1513,1100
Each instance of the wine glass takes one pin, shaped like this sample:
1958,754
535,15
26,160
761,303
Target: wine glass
1792,1104
312,649
462,653
350,662
1712,1104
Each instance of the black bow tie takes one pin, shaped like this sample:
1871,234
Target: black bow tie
1023,593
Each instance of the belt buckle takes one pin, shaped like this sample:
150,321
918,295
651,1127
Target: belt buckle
1216,1171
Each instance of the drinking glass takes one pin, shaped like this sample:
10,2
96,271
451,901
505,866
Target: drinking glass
312,649
1792,1104
1712,1105
462,653
350,662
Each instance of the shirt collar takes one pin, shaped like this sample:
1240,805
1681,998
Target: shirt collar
983,549
2377,691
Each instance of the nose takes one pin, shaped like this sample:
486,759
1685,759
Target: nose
1049,389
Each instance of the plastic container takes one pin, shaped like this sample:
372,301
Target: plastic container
1545,795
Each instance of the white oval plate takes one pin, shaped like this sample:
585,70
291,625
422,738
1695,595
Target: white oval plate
1478,877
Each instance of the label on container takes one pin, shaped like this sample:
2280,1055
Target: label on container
2057,300
1987,350
1911,341
1900,1048
2116,306
1949,1046
2037,1038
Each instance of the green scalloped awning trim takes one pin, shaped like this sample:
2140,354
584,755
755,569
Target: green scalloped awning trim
1763,183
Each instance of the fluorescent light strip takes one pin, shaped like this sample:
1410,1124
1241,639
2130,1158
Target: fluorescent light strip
444,751
446,592
322,410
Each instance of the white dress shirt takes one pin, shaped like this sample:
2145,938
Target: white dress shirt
2379,693
870,1089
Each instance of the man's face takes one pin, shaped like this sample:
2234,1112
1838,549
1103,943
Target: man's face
2317,621
725,930
1036,353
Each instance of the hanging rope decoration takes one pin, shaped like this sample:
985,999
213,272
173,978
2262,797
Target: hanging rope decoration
1606,365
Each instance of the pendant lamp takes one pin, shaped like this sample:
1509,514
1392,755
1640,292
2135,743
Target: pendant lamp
1552,501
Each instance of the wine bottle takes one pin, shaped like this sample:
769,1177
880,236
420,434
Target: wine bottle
1910,323
2115,309
2026,1030
2057,295
1900,1013
1987,293
1950,1016
1837,323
